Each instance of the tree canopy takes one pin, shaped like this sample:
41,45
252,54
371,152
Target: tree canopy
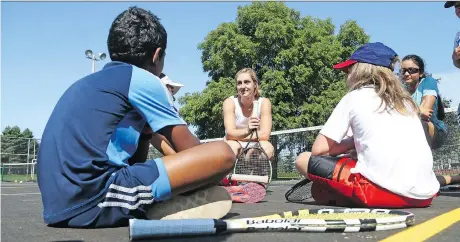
293,57
16,144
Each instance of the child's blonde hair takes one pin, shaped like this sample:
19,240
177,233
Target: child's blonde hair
386,85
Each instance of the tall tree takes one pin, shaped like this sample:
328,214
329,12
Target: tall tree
293,57
17,145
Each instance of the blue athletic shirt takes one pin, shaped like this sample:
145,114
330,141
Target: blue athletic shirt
429,86
92,132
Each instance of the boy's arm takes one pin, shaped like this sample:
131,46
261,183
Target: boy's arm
179,137
154,103
456,57
162,144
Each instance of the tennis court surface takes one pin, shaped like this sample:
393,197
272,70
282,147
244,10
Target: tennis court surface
21,220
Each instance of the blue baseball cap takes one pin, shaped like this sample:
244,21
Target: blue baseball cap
372,53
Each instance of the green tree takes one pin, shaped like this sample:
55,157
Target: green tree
293,57
16,144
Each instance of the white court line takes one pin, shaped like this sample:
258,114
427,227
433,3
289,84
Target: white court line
14,187
18,186
20,194
7,184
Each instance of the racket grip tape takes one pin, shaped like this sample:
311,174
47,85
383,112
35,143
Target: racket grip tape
149,229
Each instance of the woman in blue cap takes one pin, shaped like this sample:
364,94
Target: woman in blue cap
394,165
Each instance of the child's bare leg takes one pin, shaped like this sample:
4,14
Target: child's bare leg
301,163
198,166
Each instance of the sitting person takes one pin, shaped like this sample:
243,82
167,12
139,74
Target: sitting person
238,120
86,172
425,92
456,49
159,141
394,165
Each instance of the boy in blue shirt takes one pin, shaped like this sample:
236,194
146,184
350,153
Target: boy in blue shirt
456,52
92,170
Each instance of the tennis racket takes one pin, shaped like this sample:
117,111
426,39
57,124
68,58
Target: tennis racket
253,160
253,163
300,192
313,220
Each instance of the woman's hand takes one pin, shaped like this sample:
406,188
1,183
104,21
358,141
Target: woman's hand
426,113
253,124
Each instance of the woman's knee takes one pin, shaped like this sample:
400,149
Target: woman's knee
268,148
234,145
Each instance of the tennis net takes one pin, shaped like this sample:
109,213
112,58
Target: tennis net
289,144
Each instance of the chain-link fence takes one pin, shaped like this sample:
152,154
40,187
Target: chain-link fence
18,155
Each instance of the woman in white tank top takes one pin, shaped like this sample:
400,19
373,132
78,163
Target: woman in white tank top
237,114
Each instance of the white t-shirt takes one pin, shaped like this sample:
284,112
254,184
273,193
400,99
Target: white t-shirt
392,148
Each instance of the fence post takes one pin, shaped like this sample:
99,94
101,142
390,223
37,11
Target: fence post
28,156
3,169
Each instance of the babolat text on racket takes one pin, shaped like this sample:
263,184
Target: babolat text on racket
313,220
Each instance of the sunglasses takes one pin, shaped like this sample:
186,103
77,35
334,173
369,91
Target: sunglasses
411,70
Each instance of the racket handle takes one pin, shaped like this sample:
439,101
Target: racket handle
248,178
149,229
255,108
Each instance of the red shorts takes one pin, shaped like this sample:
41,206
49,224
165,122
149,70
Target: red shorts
333,184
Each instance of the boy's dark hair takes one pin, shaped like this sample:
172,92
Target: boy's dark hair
135,35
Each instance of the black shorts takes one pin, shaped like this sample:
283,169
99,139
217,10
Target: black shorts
439,136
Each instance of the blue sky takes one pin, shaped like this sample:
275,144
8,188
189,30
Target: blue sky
43,44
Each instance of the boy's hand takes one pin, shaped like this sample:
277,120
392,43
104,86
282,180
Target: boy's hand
457,53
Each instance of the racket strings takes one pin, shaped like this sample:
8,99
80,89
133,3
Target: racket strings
300,192
253,161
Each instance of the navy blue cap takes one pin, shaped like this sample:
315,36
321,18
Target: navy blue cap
372,53
449,4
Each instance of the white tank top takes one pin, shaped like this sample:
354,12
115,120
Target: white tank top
242,121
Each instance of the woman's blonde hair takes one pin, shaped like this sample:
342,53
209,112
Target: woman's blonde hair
253,75
386,85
